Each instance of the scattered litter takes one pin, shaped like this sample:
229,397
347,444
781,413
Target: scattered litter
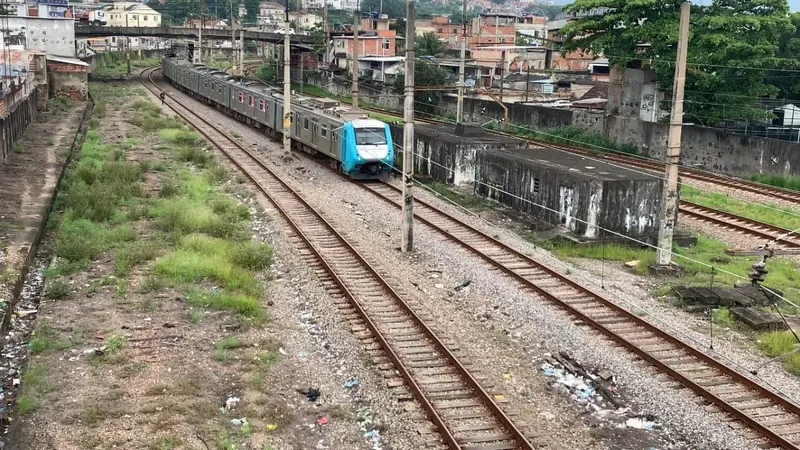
302,355
322,421
507,376
632,264
351,383
15,382
99,336
95,351
438,286
311,393
231,402
271,427
282,351
643,423
238,422
462,285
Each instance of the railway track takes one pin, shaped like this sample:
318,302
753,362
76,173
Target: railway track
766,414
740,224
465,414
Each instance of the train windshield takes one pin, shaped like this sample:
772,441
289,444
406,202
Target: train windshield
370,136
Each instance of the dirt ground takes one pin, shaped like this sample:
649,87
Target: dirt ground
123,364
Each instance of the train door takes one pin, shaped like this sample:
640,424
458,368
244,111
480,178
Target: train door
565,205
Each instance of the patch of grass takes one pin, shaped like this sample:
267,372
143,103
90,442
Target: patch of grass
241,304
35,385
151,284
777,343
185,266
166,443
63,268
247,255
45,339
217,175
780,181
609,252
182,216
18,148
149,121
194,155
570,135
181,137
782,217
220,354
133,254
82,240
9,276
723,317
224,441
196,315
228,343
57,290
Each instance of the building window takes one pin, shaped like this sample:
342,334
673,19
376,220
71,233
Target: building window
455,31
535,186
252,101
439,30
144,18
386,44
133,17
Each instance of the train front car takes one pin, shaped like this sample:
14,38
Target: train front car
368,151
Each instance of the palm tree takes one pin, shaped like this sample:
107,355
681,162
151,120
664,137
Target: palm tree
429,45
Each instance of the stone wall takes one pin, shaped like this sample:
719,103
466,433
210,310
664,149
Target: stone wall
711,149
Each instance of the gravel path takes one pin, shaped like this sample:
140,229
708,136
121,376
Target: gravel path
506,331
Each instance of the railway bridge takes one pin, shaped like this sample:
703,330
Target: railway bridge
184,32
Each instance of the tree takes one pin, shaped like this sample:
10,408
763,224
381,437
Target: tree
429,45
458,16
726,39
788,83
551,12
392,8
175,12
425,74
399,26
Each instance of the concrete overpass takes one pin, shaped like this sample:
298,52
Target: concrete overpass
186,33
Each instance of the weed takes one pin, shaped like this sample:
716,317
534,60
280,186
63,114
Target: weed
220,354
83,240
217,175
57,290
777,343
196,315
149,121
151,284
166,443
148,304
181,137
240,304
133,254
97,412
34,386
9,276
62,268
245,430
228,343
45,338
122,288
194,155
108,280
188,267
168,190
18,148
722,316
224,441
50,141
790,182
247,255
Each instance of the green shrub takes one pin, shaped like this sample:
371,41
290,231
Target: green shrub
189,267
134,254
83,240
240,304
57,290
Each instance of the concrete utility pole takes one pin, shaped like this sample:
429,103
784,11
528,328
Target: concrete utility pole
287,88
669,200
407,240
354,68
461,68
233,29
200,42
241,51
327,33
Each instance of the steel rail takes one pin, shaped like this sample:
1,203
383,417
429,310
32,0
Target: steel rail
454,225
516,434
751,227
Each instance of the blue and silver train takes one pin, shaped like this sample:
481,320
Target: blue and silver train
360,147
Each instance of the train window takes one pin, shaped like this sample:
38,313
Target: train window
205,84
220,89
305,123
261,105
252,101
323,131
241,97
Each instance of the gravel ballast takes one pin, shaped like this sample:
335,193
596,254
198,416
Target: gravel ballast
504,330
